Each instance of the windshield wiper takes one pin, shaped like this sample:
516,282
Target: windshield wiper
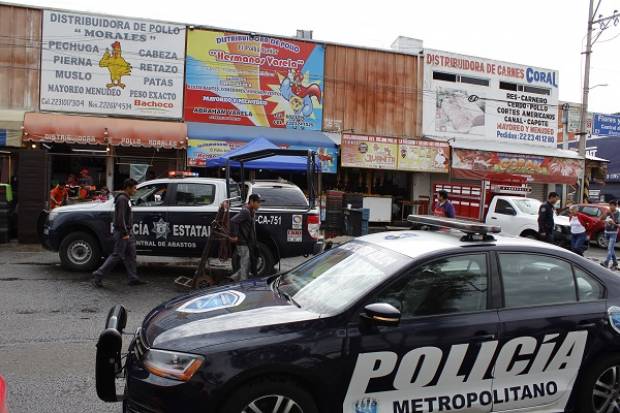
287,296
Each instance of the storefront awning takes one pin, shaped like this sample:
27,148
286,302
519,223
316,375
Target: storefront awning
11,122
278,136
490,160
208,141
45,127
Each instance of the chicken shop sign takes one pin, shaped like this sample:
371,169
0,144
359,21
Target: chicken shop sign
111,65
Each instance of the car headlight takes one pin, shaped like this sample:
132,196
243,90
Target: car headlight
172,365
52,216
613,313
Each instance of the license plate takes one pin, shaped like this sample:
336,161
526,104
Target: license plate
294,235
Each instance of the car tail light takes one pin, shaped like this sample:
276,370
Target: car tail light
314,224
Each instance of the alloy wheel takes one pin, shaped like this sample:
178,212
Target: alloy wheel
273,403
606,391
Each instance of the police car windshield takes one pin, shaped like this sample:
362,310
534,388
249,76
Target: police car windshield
331,282
528,206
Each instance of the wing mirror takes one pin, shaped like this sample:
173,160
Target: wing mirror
381,314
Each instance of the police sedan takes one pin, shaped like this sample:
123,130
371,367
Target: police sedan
452,320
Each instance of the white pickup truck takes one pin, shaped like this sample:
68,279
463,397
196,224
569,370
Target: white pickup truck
518,216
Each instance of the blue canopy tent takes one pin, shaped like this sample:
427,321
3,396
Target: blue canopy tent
274,163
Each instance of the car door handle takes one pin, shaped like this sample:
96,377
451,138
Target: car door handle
493,217
586,324
484,337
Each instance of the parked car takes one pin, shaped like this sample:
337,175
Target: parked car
406,321
597,232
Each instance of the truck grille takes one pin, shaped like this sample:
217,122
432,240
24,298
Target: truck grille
139,345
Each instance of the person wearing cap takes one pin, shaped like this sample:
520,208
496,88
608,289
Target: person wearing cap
243,233
58,196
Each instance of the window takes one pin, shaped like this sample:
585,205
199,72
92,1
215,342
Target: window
536,90
588,288
281,196
450,285
590,211
528,206
531,279
195,194
475,81
151,195
508,86
503,207
447,77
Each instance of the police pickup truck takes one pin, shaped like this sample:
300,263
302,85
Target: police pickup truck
172,217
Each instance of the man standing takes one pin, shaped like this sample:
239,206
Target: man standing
612,223
58,196
445,207
243,231
546,218
124,242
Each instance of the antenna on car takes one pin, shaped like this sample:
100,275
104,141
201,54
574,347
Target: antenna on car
474,231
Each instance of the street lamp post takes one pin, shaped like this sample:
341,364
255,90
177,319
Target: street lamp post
604,23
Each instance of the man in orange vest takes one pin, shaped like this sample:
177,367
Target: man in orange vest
58,196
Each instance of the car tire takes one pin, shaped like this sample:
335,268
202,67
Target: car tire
599,372
79,251
266,263
600,240
266,393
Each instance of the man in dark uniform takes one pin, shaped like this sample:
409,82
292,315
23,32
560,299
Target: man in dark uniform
546,218
124,241
243,231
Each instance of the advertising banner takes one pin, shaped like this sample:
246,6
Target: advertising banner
241,79
470,97
477,164
606,125
199,152
422,156
606,148
372,152
111,65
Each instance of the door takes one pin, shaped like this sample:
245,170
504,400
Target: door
504,215
438,358
191,213
150,214
553,312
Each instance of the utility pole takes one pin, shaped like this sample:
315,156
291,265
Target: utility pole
584,105
604,23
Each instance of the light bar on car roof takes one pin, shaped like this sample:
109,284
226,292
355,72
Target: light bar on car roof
468,227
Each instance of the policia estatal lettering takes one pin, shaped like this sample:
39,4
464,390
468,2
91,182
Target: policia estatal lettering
124,241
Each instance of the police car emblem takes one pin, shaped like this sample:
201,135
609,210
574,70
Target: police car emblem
161,229
366,405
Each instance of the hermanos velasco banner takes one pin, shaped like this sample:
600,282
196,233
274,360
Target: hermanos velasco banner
253,80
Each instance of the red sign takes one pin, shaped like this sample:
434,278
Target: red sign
475,164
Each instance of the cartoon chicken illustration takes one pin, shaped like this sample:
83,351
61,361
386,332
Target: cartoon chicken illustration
116,64
298,95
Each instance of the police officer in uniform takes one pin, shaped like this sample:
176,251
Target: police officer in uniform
546,221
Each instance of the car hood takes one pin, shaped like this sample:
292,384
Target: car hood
222,315
86,206
561,220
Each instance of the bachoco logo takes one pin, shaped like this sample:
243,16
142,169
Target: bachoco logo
522,372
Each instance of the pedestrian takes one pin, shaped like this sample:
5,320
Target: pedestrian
580,225
445,207
58,196
612,223
124,241
243,233
546,218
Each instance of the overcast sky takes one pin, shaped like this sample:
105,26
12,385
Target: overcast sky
544,33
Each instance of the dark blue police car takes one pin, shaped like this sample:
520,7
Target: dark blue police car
399,322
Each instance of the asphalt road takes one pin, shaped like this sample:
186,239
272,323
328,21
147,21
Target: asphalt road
50,320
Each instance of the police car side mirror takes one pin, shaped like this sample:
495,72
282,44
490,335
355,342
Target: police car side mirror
381,314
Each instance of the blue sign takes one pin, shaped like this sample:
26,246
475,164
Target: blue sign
2,137
607,148
606,125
